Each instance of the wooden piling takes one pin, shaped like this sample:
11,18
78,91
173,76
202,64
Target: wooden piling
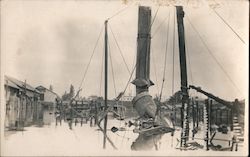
206,123
197,114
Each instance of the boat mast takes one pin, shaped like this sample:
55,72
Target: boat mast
183,70
105,82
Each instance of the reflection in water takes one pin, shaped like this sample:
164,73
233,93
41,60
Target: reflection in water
146,142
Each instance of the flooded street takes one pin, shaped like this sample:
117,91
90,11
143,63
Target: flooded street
58,140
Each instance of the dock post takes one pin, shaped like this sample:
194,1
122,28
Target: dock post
194,119
197,114
210,115
206,123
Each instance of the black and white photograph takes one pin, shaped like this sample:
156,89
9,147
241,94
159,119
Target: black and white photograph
124,77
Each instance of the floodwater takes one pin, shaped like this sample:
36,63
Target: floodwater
49,139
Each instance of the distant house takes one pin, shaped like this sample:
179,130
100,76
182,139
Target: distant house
126,107
47,96
127,98
22,103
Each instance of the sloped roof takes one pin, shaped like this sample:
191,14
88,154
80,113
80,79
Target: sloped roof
10,81
10,84
42,87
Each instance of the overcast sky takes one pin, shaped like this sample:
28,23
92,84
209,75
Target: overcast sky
50,42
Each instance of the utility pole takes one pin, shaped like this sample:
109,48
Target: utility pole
183,70
105,83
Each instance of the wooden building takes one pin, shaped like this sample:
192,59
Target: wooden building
47,97
22,103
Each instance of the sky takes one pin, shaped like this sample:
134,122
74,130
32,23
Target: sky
50,43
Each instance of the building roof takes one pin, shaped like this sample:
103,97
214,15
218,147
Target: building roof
12,82
40,88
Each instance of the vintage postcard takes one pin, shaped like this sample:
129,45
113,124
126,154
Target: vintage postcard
124,77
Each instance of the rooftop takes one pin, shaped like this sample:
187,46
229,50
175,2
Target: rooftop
14,83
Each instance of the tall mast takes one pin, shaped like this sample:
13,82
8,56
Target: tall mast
183,70
105,82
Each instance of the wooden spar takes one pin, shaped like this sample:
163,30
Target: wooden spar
183,70
105,83
198,89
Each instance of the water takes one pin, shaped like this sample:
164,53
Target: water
49,139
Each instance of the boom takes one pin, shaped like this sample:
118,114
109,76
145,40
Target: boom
226,103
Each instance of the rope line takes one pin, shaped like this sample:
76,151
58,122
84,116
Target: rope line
155,73
231,28
165,58
86,70
215,59
120,11
119,49
189,63
155,16
101,78
153,56
158,28
112,70
131,74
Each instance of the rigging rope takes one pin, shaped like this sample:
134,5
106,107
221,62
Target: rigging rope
153,57
120,11
215,59
231,28
189,67
189,63
156,79
154,17
112,70
165,61
101,78
119,49
90,58
158,28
